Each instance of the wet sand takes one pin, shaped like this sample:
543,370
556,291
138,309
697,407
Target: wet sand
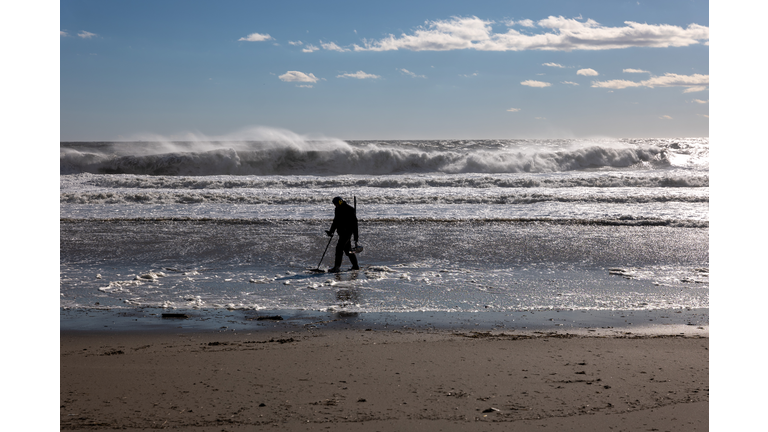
359,379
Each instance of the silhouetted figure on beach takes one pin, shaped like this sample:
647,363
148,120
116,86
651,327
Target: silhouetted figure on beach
345,222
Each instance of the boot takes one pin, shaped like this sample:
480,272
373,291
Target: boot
353,258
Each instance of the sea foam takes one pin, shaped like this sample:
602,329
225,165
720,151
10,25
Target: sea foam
333,157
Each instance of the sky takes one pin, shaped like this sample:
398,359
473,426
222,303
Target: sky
384,70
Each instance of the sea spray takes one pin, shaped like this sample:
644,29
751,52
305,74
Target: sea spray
293,157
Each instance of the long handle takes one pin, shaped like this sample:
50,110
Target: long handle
326,250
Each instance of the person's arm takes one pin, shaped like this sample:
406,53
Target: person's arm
334,225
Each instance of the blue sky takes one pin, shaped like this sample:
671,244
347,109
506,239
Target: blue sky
384,70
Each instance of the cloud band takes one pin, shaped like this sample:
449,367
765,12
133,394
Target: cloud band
560,34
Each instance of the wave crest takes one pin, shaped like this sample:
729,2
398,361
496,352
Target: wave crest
338,158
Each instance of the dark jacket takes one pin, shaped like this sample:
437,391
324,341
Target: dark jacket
345,220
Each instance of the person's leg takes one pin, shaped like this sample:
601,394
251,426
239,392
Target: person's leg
341,247
339,254
353,259
347,251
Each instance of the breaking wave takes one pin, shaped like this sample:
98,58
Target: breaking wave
335,157
645,179
211,197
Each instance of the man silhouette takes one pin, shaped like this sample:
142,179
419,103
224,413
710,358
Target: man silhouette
345,222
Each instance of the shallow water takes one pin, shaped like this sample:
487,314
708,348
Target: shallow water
407,266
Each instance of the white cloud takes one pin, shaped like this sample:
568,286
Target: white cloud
569,82
699,101
526,23
86,35
305,86
695,82
561,23
615,84
559,34
513,109
310,48
703,115
635,71
670,80
665,117
333,47
469,75
532,83
411,74
296,76
358,75
63,33
256,37
695,89
587,72
553,65
295,43
457,33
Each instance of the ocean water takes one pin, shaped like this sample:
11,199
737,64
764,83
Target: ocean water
447,225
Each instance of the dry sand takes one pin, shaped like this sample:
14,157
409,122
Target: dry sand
382,380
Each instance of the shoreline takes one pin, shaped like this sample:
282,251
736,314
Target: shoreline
680,322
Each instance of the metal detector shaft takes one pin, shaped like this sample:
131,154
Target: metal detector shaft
326,250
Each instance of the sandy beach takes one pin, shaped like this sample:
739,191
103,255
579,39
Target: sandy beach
359,379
